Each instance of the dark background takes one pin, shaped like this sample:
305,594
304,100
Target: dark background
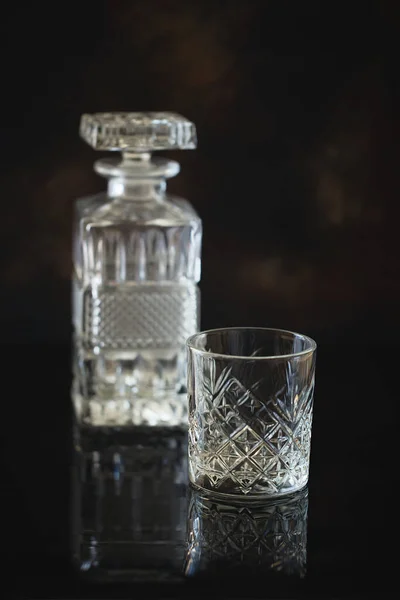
296,178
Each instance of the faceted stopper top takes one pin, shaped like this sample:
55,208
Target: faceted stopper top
138,131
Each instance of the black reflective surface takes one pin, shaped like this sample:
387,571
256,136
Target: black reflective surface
332,541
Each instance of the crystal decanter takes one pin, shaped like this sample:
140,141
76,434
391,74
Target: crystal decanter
137,259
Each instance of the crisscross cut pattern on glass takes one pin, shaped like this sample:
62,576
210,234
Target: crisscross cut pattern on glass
271,535
250,423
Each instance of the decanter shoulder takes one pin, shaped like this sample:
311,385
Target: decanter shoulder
88,205
185,207
101,210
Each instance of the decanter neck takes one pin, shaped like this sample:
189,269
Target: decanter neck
137,176
137,190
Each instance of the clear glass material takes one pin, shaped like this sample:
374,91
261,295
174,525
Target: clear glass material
250,411
233,539
137,264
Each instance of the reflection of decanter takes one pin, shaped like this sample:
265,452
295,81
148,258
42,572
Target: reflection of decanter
129,505
234,538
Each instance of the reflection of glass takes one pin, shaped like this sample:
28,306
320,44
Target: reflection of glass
250,536
129,508
250,411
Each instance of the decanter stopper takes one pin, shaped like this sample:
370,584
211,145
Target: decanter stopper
138,131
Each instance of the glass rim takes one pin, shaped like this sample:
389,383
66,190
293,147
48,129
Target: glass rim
190,343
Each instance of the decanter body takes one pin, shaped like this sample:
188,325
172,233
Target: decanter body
136,268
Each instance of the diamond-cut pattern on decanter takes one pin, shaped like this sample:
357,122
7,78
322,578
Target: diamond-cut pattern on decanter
141,318
271,535
242,441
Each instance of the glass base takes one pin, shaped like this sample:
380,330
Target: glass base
241,498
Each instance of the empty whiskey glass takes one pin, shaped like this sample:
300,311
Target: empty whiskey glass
250,396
